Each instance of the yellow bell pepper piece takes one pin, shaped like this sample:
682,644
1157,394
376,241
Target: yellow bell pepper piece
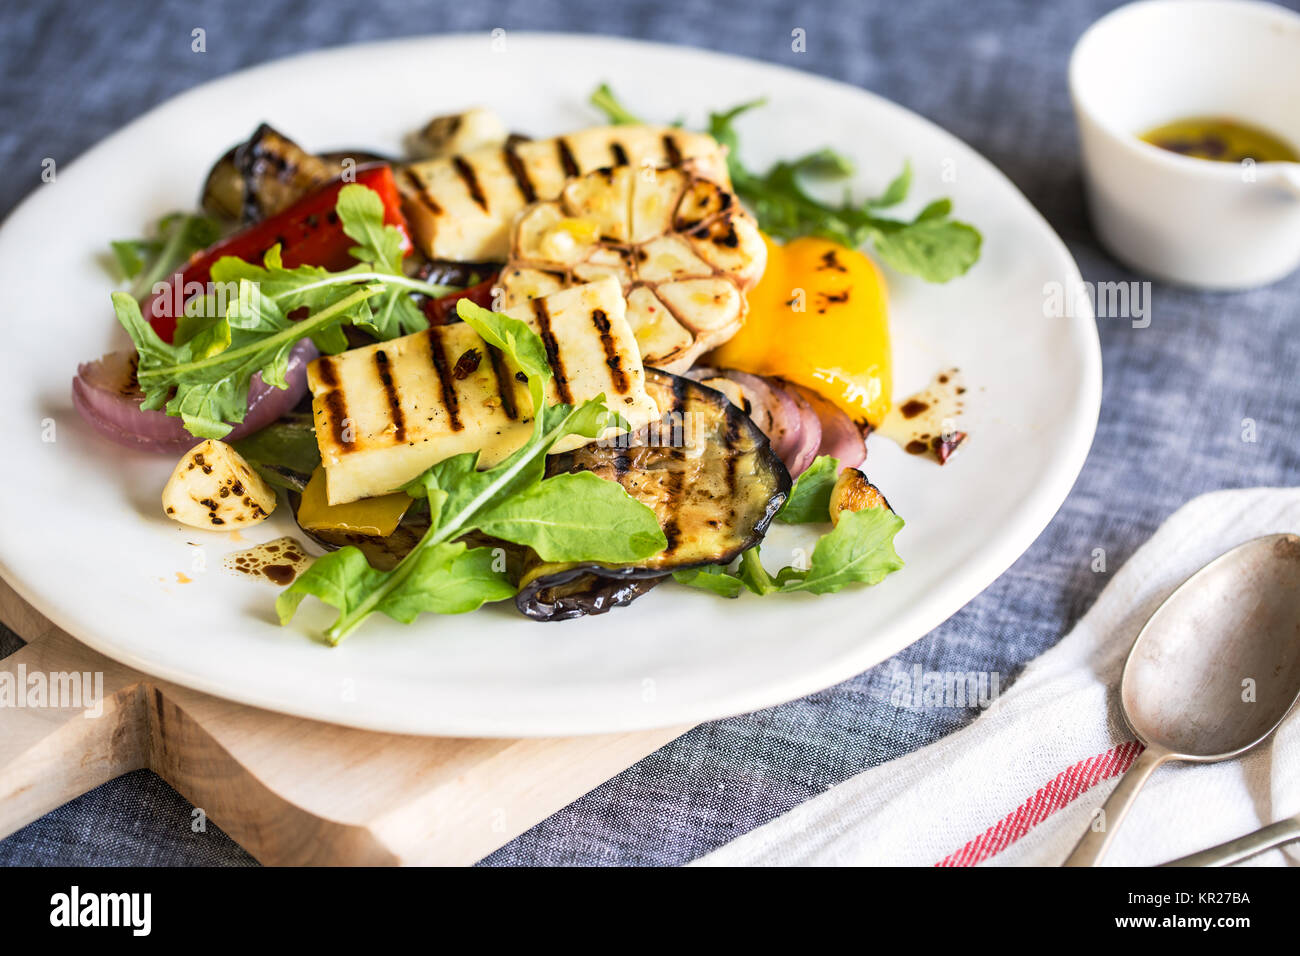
376,517
819,317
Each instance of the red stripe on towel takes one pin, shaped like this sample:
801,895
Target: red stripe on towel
1057,793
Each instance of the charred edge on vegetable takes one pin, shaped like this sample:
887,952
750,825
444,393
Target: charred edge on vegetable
553,359
619,153
505,384
613,361
467,175
520,173
421,195
578,593
446,385
671,150
567,162
390,391
276,171
568,592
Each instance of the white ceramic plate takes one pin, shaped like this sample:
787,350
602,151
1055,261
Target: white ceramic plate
83,539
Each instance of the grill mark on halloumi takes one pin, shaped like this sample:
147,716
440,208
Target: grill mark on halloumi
335,406
567,162
671,150
390,390
618,152
421,194
337,409
612,359
446,385
552,350
505,386
468,177
328,373
520,172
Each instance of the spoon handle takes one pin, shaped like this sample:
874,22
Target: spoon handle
1092,846
1234,851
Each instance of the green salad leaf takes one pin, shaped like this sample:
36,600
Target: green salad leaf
810,496
205,380
858,550
177,236
284,453
241,328
361,213
605,101
933,246
711,577
567,517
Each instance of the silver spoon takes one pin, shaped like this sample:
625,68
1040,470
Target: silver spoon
1243,848
1212,673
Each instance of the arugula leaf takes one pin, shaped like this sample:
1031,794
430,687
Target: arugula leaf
754,576
605,101
568,517
713,578
240,327
931,246
576,514
810,496
340,579
361,214
177,237
858,550
205,380
936,249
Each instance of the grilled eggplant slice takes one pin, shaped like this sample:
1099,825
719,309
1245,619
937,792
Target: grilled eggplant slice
706,470
263,176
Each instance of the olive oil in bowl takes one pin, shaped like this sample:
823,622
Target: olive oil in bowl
1221,140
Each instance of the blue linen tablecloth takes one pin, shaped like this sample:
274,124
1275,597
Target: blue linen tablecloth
993,73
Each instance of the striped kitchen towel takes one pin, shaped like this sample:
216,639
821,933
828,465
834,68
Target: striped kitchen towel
1019,785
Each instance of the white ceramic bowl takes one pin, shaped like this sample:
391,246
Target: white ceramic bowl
1207,224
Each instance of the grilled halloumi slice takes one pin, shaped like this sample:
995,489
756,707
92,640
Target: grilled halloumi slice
386,412
461,207
455,133
681,245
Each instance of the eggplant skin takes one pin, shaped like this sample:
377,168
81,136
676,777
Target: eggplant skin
707,472
263,176
577,592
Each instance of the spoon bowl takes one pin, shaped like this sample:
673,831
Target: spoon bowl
1212,673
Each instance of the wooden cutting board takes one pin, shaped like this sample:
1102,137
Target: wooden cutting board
290,791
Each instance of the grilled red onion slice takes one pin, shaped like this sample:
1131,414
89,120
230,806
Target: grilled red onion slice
840,436
773,409
810,433
106,395
781,413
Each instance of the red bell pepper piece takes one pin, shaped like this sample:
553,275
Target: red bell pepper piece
442,311
308,232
